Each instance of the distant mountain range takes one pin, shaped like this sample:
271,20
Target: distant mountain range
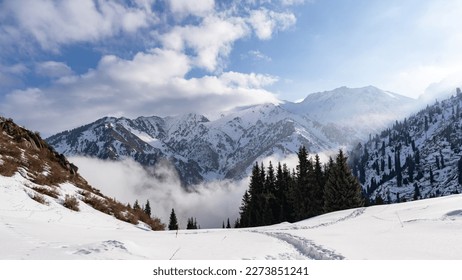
225,147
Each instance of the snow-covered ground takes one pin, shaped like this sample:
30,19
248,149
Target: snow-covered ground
425,229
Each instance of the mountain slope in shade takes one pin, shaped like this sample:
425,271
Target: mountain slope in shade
418,157
226,147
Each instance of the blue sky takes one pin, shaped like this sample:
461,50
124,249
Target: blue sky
66,63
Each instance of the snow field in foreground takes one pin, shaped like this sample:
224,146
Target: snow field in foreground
424,229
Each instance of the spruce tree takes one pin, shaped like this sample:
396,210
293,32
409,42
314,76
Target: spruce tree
417,156
271,209
399,175
228,225
192,223
136,205
442,160
256,203
283,193
244,213
431,176
304,182
379,200
342,190
416,192
147,209
173,223
237,223
410,167
317,201
459,167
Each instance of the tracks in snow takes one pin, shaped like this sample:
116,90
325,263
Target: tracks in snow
352,215
305,247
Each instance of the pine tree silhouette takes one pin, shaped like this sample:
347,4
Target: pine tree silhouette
173,223
147,209
342,190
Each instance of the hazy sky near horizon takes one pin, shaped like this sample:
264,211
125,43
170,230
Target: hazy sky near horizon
66,63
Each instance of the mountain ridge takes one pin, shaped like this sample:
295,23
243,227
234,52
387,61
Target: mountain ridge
225,147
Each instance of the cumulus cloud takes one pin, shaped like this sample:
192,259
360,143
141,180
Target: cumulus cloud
152,83
53,69
10,75
211,203
210,41
54,23
265,22
184,8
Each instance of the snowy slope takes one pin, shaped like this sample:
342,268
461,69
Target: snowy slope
425,229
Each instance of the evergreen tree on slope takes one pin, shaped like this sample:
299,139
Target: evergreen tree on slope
173,223
147,208
342,190
303,189
244,220
317,201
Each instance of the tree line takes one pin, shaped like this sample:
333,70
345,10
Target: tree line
313,188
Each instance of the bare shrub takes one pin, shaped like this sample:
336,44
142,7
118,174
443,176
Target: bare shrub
71,202
7,169
97,203
47,191
39,198
155,224
11,156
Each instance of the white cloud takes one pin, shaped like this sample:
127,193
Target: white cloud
251,80
211,40
210,203
151,83
265,22
54,23
414,81
258,55
184,8
293,2
153,68
16,69
11,76
53,69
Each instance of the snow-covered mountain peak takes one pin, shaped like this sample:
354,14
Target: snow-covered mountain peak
366,109
353,97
